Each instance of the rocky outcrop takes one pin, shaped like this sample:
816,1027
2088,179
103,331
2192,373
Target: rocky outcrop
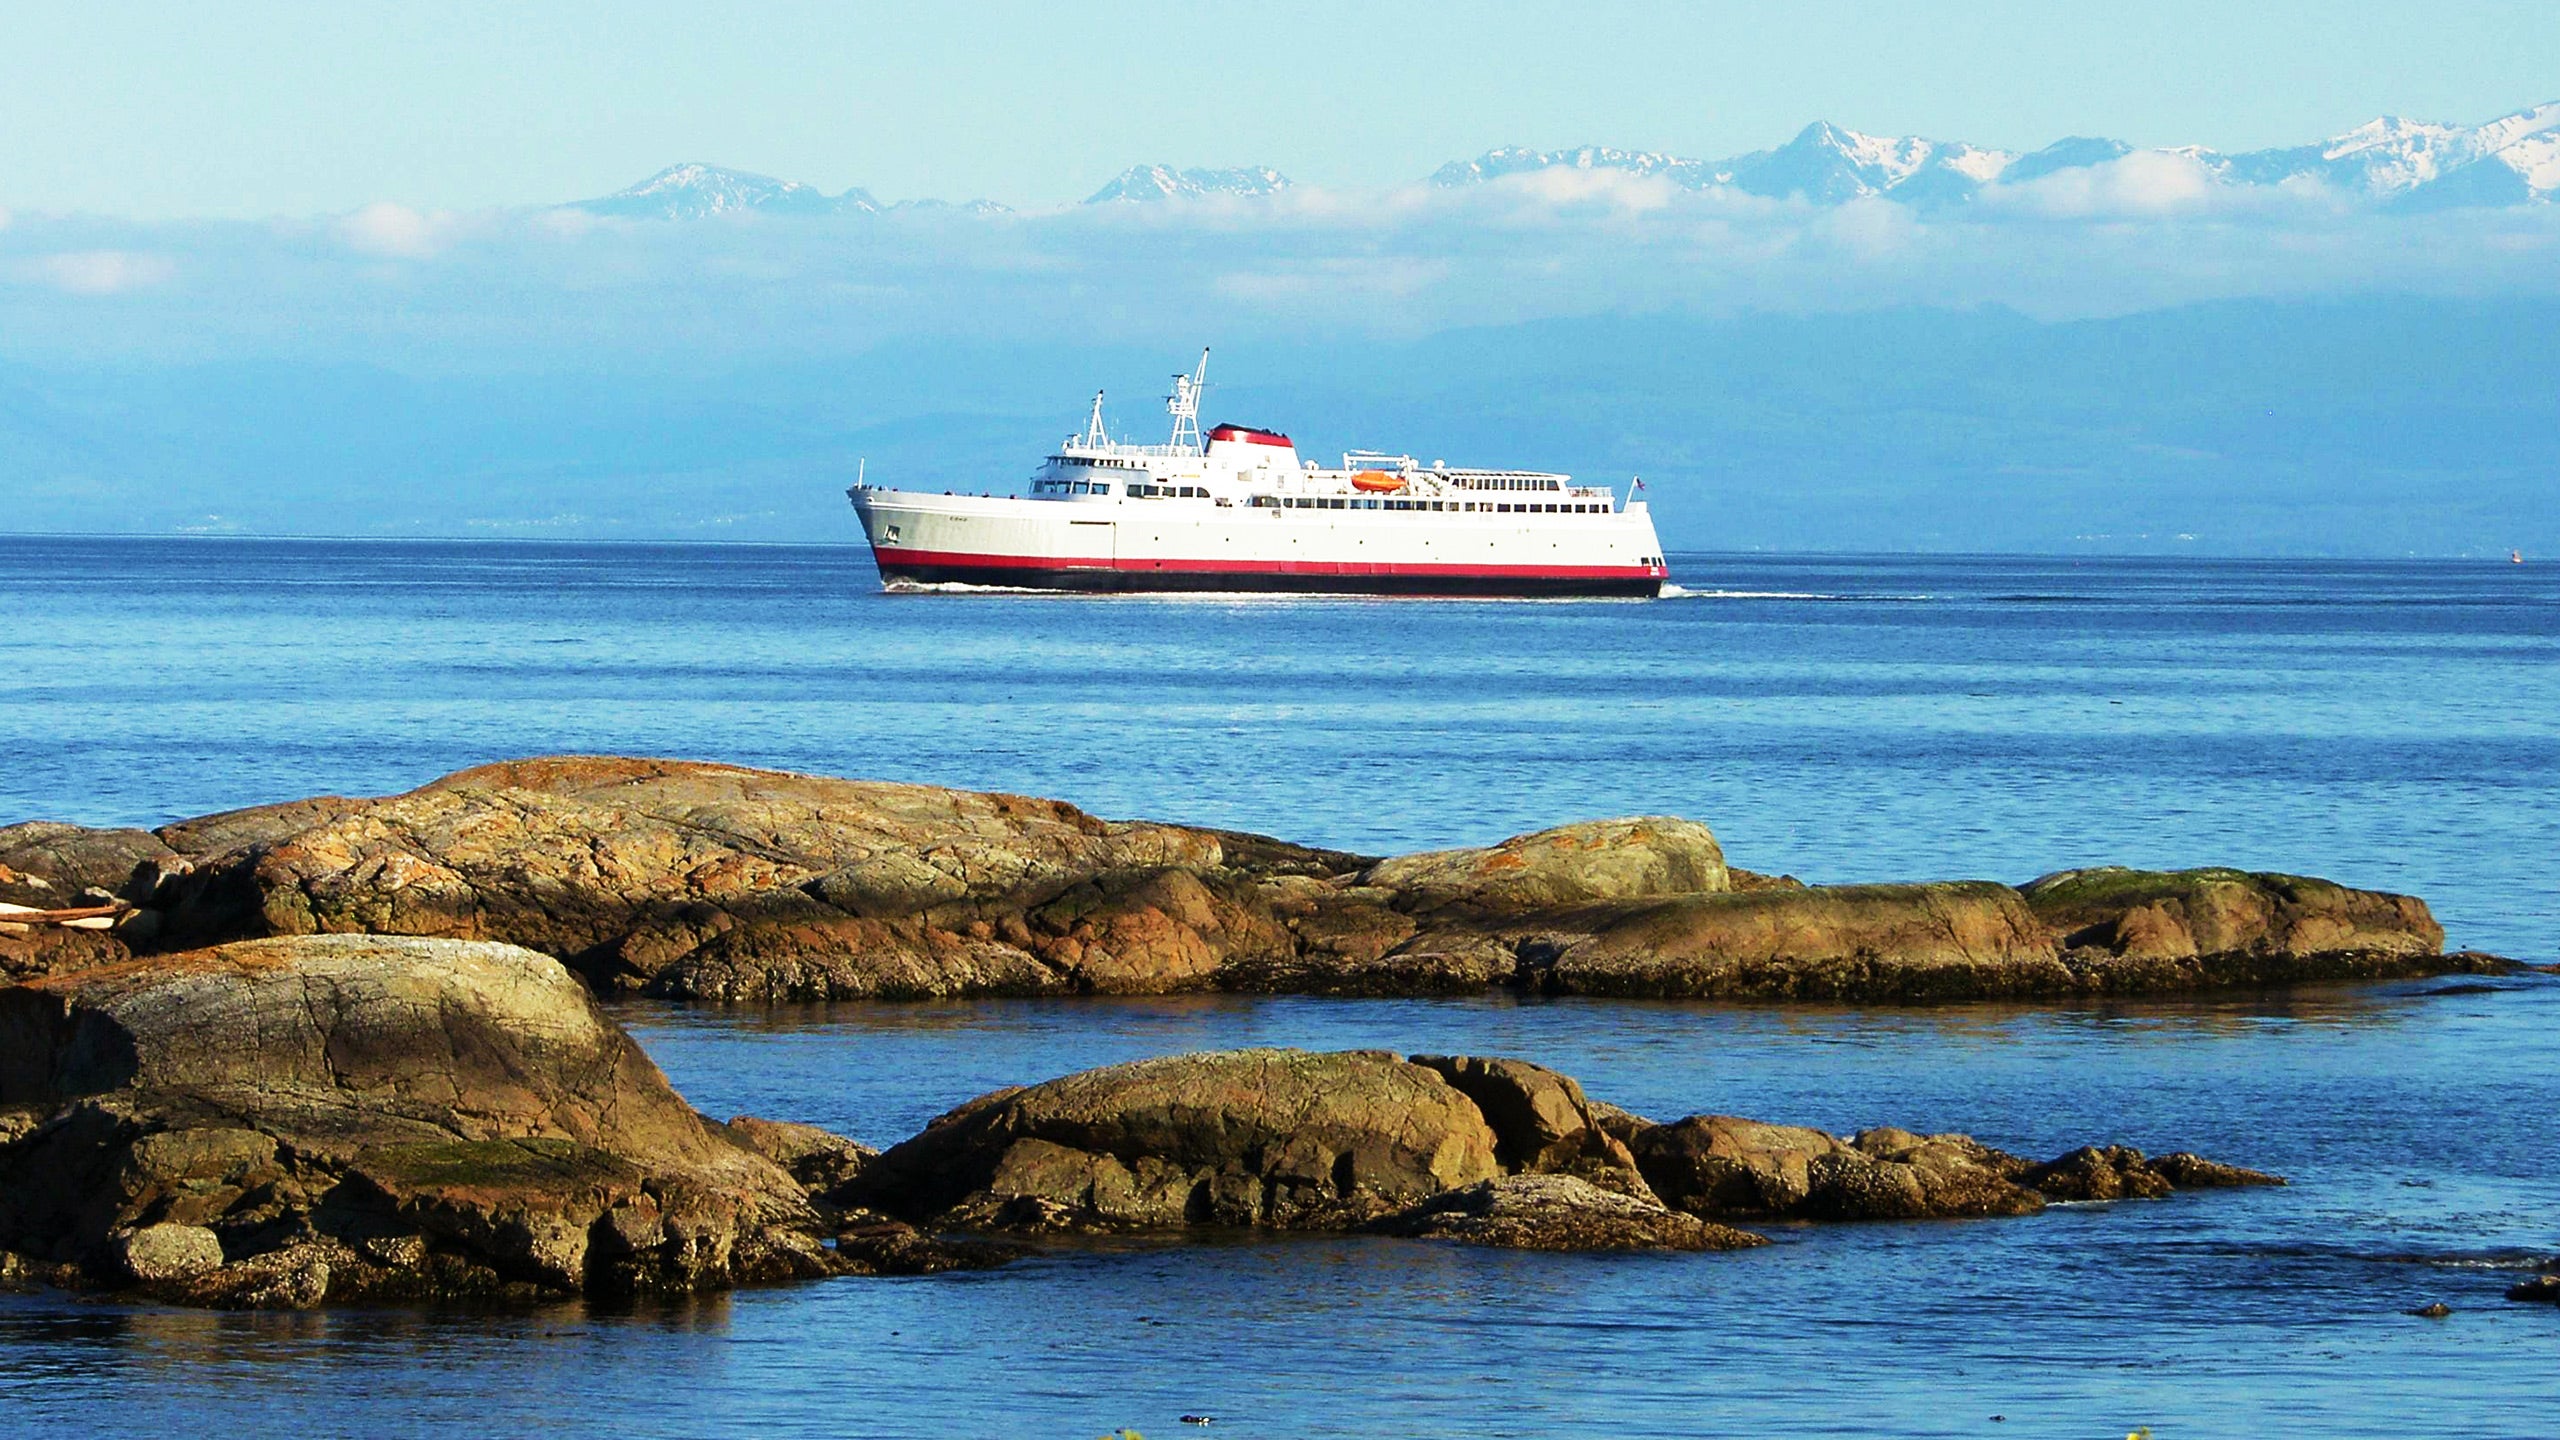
1565,868
696,879
1723,1166
1559,1212
287,1121
716,882
1488,1151
2154,929
1280,1139
1895,943
1485,1150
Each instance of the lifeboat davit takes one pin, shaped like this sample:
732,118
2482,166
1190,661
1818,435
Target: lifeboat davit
1377,482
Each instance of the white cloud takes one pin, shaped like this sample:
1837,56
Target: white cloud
385,228
2146,183
101,272
543,285
1566,185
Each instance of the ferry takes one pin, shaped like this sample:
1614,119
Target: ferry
1236,509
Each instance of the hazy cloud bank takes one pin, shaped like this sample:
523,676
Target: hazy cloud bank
444,289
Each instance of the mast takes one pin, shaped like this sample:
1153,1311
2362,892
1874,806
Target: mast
1184,405
1093,436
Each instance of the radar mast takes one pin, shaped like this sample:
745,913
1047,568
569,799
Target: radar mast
1184,405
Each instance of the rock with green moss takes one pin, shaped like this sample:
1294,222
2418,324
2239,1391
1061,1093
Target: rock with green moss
2135,929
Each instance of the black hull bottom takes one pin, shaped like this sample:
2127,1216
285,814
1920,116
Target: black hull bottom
1146,582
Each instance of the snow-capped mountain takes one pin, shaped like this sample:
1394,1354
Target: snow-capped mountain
1823,163
2404,164
1519,160
1828,164
2511,160
696,192
1163,182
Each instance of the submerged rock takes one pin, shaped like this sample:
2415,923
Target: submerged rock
281,1122
2542,1289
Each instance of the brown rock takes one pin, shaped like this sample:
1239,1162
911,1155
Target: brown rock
716,882
1540,1120
636,868
1642,858
1559,1212
46,864
820,1160
2189,1171
168,1252
2114,920
1278,1138
1899,943
31,952
1722,1165
463,1105
2092,1172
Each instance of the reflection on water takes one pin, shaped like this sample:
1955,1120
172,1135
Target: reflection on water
2395,725
2415,1128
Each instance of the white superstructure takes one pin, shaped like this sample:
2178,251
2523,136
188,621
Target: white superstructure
1236,509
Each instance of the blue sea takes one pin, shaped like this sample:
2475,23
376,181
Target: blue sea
2394,725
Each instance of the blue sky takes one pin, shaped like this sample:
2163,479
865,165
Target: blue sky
280,268
155,111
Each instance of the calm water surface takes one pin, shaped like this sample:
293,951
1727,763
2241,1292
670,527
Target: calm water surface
2395,725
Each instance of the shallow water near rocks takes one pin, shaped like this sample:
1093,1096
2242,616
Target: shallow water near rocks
2394,725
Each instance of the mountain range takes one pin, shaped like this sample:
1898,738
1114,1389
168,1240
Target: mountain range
2514,159
695,191
2405,164
1163,182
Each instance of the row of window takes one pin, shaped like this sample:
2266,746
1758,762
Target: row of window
1322,502
1508,482
1316,502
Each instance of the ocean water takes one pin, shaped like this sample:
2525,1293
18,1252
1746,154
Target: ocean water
2393,725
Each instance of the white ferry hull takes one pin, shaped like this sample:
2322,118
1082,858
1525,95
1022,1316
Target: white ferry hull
1132,545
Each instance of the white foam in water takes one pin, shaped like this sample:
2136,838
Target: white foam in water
1683,592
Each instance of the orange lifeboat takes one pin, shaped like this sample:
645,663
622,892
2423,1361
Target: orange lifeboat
1377,482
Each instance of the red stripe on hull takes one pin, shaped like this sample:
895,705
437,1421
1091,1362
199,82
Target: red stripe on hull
890,556
938,567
